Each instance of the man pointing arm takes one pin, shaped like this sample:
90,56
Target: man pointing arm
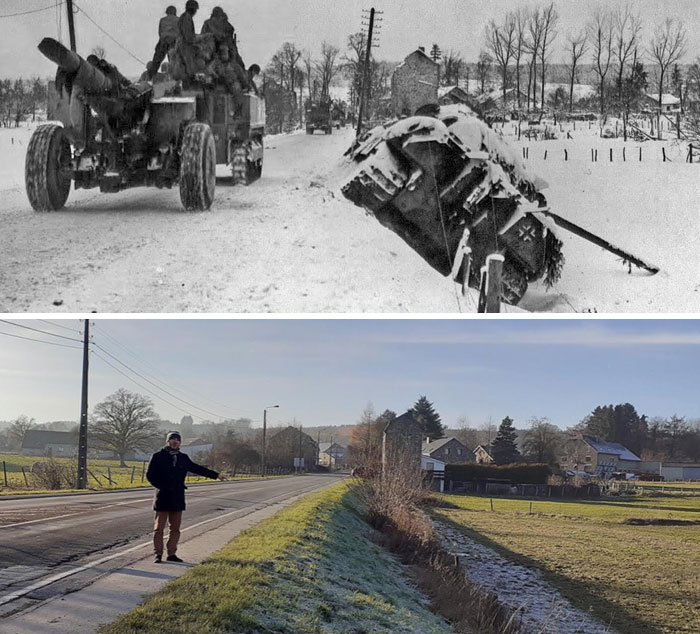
167,471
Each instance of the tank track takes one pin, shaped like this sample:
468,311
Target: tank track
244,169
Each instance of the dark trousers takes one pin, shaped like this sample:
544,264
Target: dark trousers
161,519
161,51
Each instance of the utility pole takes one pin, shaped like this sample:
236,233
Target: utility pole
264,439
82,438
71,25
365,88
300,454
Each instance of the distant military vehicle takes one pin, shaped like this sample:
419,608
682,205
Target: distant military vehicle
117,135
318,117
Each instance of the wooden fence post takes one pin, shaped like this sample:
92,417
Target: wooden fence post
566,154
4,471
663,153
133,470
640,153
491,500
611,155
143,470
24,473
109,476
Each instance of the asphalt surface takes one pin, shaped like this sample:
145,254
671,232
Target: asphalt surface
71,532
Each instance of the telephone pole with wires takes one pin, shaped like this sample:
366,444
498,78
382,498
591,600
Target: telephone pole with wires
366,85
71,25
82,437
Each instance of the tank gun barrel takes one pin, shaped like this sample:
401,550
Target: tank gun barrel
85,75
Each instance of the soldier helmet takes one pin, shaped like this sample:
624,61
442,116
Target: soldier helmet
191,5
217,12
171,10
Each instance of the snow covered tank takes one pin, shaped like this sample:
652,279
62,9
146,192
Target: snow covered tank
447,181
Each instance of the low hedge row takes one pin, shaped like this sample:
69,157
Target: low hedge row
516,473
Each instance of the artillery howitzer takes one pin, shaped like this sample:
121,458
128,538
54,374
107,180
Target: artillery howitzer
117,135
456,192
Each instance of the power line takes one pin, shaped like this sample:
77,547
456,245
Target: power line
201,409
48,343
108,35
133,355
14,15
143,387
53,323
43,332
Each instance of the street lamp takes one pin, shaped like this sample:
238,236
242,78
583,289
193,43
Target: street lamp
264,448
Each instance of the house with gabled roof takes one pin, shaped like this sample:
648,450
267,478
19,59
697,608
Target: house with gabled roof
482,455
448,450
593,455
414,83
40,442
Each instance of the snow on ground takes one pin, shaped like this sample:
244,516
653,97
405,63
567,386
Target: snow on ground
292,243
288,243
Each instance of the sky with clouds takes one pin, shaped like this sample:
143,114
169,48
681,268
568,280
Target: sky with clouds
326,371
263,25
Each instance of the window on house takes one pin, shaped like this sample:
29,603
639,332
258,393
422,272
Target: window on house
459,451
588,458
447,451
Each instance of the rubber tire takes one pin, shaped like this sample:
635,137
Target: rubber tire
197,168
47,188
513,283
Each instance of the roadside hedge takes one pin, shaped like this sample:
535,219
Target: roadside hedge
516,473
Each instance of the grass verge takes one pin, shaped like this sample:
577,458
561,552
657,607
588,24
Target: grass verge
640,578
312,568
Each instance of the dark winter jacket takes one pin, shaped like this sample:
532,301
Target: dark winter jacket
167,472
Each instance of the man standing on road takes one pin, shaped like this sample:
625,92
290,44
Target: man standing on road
167,471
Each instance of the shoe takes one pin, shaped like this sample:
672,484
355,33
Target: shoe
173,558
157,558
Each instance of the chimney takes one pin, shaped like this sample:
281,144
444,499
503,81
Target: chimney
421,49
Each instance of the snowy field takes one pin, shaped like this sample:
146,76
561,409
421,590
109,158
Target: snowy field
292,243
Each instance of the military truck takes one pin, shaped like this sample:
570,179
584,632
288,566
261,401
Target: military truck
114,134
318,117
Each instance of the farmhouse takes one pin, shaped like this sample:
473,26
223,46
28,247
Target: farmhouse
591,454
669,103
331,454
449,450
195,446
493,101
482,455
288,446
450,95
401,442
414,84
39,442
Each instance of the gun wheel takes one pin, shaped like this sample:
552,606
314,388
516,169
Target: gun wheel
47,168
197,168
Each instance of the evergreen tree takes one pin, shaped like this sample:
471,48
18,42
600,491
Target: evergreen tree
504,448
428,418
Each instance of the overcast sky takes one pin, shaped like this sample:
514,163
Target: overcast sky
263,25
326,371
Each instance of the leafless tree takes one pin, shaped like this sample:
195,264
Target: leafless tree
628,28
500,41
532,46
521,20
550,18
327,67
452,66
291,56
600,35
123,422
18,428
667,47
309,66
575,50
483,70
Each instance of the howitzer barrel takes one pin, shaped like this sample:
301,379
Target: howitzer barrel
85,75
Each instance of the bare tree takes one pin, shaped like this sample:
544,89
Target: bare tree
521,21
125,421
628,28
327,67
575,50
309,66
483,70
18,428
532,46
667,47
550,17
542,441
452,66
291,56
600,34
500,41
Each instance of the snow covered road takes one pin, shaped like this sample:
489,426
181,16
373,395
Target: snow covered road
292,243
288,243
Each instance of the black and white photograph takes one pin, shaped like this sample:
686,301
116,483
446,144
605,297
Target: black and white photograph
326,157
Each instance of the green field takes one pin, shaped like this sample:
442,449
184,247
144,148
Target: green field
103,474
643,579
311,568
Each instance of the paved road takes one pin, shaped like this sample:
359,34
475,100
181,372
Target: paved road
69,531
